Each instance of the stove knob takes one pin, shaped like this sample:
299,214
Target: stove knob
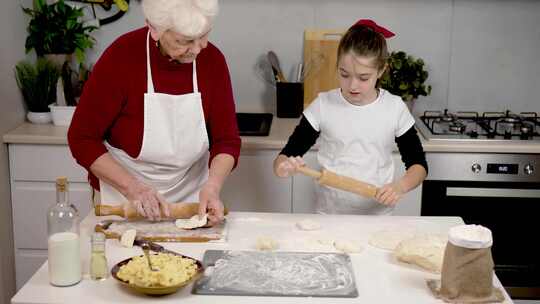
528,169
476,168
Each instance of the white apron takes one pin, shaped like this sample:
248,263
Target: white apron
174,153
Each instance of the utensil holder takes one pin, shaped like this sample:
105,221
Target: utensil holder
289,99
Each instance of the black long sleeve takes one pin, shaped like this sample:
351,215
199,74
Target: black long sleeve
411,149
302,139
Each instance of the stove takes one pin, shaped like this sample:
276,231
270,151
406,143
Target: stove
474,126
499,190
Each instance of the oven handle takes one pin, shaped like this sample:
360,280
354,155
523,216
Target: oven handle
492,192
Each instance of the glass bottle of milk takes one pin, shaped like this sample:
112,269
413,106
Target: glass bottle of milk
63,244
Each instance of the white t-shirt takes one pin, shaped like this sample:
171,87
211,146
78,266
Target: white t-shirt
357,141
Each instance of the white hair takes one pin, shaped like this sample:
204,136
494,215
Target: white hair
187,17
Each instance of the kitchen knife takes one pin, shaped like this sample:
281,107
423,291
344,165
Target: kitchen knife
274,61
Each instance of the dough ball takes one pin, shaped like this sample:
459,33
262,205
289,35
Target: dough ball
192,223
266,243
426,251
128,237
389,239
348,246
308,225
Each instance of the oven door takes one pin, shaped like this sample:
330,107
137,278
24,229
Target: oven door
511,211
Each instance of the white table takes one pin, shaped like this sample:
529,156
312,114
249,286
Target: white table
379,278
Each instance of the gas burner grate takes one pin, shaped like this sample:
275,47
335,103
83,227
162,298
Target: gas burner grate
487,125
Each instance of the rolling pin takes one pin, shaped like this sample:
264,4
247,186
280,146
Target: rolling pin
334,180
177,210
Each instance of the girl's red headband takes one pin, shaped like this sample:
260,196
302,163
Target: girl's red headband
375,27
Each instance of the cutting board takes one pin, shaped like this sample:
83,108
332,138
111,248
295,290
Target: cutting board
163,231
320,54
292,274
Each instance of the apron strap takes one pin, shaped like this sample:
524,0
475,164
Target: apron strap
149,83
195,85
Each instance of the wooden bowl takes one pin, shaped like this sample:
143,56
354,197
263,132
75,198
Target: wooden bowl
157,290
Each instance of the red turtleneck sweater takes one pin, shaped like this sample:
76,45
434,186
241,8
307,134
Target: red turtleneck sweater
112,105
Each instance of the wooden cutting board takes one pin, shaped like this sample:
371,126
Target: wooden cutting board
320,55
163,231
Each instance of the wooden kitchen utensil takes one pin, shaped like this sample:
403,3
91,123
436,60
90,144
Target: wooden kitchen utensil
177,210
322,74
334,180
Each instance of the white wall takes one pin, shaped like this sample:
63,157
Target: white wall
481,55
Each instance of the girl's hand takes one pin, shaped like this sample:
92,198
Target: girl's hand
389,194
286,166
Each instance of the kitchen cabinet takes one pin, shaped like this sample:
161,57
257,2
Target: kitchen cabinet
303,200
33,172
253,186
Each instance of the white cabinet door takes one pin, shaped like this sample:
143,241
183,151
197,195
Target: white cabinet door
253,186
30,203
304,197
33,170
27,262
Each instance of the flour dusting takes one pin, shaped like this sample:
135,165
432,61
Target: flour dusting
282,273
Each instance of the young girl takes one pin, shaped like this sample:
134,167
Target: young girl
357,125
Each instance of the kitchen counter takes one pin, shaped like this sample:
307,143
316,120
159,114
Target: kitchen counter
48,134
379,278
280,131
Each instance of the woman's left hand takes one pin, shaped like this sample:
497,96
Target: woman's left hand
210,203
389,194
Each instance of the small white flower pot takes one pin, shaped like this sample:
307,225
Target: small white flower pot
39,117
62,115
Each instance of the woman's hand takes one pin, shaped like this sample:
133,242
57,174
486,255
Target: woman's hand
389,194
210,203
146,200
286,166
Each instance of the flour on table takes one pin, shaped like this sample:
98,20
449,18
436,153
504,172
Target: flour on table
426,251
308,225
389,239
348,246
266,243
192,223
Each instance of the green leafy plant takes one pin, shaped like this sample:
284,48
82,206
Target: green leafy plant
37,83
405,76
56,29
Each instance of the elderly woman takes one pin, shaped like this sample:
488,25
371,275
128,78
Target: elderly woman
156,122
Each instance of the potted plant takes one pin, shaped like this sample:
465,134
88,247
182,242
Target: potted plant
38,86
57,29
68,91
405,77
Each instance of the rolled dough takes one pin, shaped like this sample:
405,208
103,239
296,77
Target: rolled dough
308,225
389,239
426,251
192,223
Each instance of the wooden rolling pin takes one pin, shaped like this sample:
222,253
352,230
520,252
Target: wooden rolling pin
334,180
177,210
